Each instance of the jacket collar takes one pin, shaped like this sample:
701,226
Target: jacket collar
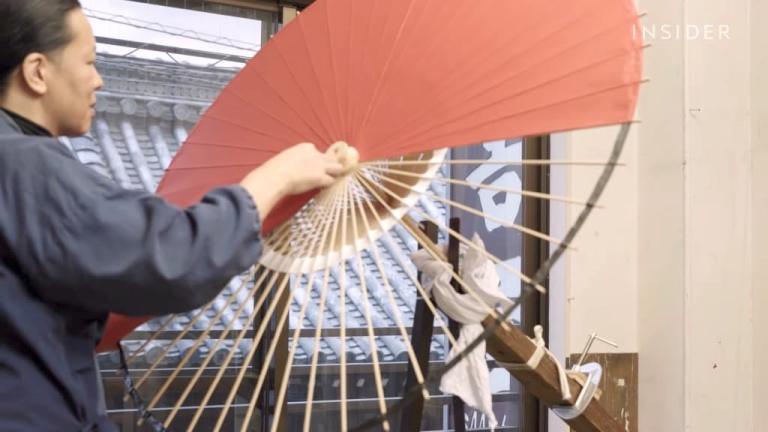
27,126
7,125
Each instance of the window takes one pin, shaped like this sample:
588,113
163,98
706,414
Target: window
161,72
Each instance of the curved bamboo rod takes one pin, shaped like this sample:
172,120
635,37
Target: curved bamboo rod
319,324
249,357
524,193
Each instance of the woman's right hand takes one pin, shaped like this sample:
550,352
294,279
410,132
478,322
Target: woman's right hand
295,170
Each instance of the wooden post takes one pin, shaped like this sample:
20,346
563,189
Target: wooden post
288,14
280,360
534,252
266,400
421,339
453,326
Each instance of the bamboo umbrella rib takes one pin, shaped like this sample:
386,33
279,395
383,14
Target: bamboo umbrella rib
321,311
201,311
376,91
168,347
374,354
428,246
181,334
251,406
524,193
415,280
511,162
153,336
207,360
343,321
238,380
283,387
397,315
205,333
197,316
508,224
272,346
325,108
219,341
222,368
470,244
199,341
538,277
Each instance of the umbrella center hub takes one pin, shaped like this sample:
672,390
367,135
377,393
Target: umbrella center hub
347,155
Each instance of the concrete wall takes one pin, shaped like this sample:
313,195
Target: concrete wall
718,307
607,241
661,221
676,266
760,211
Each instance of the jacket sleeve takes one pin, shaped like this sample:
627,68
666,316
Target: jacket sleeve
82,241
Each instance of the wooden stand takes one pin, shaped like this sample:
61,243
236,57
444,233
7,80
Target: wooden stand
421,339
266,401
510,345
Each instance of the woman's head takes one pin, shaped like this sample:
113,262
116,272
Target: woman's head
47,63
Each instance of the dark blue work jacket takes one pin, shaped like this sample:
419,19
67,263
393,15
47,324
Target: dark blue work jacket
75,246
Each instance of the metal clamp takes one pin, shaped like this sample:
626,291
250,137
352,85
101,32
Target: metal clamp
594,373
590,340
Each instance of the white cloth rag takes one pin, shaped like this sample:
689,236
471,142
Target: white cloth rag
469,379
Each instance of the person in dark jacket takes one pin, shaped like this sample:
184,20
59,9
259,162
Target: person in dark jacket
74,246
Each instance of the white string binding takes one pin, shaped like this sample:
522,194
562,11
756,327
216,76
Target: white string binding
535,359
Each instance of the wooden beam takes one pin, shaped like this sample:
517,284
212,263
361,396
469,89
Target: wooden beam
288,13
262,5
421,339
511,345
265,5
535,252
619,386
454,327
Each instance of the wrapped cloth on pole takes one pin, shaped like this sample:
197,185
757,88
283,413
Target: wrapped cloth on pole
469,380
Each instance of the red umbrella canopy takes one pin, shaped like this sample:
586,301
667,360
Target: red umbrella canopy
394,78
401,77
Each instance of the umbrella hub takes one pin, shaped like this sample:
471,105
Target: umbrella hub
347,155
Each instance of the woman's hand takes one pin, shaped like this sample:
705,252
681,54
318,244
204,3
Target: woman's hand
295,170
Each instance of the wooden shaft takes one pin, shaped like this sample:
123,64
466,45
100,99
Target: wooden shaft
511,345
421,339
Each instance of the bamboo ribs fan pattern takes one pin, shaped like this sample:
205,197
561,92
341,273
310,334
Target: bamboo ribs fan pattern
401,82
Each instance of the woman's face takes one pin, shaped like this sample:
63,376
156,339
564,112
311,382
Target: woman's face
73,79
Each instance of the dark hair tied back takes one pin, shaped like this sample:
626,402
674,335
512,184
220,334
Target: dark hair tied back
29,26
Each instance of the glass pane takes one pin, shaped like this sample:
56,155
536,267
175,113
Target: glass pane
503,242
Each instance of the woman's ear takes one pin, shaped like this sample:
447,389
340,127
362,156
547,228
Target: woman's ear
34,71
